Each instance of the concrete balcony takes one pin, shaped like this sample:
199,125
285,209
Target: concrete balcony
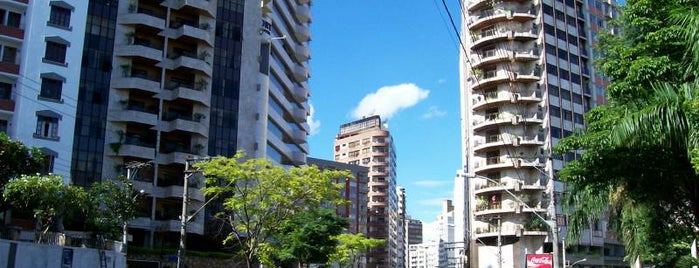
492,78
187,62
142,19
302,52
129,82
477,4
490,99
141,223
491,121
131,114
193,227
495,208
299,115
204,5
297,157
301,73
303,13
176,192
302,33
302,2
185,125
146,186
298,136
534,96
139,51
300,93
133,150
492,232
186,92
202,33
501,14
173,157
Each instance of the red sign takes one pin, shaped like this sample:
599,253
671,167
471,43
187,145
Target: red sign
539,260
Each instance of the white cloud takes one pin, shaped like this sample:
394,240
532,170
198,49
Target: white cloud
388,100
433,112
314,125
441,81
430,183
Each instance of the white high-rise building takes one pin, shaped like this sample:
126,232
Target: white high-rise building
527,78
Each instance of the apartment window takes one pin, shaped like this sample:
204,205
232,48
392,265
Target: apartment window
56,49
555,111
60,14
3,126
51,89
555,132
47,125
13,19
567,115
579,119
9,54
5,91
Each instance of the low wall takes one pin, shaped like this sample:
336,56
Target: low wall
18,254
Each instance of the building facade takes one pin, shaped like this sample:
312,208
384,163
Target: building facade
101,84
527,79
367,142
414,231
429,254
354,192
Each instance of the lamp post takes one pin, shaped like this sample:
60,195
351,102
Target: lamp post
131,171
550,223
578,262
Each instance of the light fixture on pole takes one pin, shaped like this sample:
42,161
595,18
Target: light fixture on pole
583,260
551,223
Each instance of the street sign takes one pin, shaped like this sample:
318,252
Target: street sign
539,260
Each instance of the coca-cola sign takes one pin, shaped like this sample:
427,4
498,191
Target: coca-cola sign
539,261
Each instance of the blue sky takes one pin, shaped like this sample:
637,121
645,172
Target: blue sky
399,59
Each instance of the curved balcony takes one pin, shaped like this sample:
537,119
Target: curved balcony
491,78
492,232
302,52
173,157
489,36
533,96
493,164
493,208
491,187
177,90
301,2
301,73
490,99
137,50
133,149
527,77
527,54
491,121
297,157
148,20
491,57
193,227
299,115
487,17
302,33
477,4
303,13
300,93
378,173
135,82
298,136
528,118
134,114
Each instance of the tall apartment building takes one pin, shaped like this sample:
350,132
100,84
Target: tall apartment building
99,84
414,231
527,79
40,61
354,191
429,254
367,142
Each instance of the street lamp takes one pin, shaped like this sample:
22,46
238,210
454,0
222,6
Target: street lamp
131,170
550,223
578,262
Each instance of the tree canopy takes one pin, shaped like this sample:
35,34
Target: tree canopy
259,197
351,247
309,237
17,159
638,165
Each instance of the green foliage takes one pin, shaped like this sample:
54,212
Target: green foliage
259,197
639,165
46,196
351,247
111,204
17,159
308,237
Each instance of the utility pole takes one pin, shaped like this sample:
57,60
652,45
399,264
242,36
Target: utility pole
499,242
131,170
185,201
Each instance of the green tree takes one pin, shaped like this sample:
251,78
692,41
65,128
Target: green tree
47,197
111,204
638,150
17,159
258,197
308,237
351,248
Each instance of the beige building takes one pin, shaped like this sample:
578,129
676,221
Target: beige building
367,142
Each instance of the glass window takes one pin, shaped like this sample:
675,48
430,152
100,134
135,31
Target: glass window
5,91
55,52
51,88
60,16
46,127
3,126
14,19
